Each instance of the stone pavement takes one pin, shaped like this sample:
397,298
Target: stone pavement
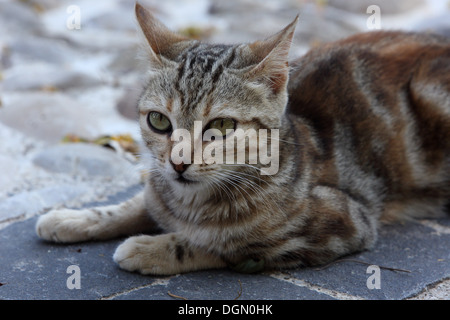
57,80
33,269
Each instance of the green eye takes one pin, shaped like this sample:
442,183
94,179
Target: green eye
159,122
222,125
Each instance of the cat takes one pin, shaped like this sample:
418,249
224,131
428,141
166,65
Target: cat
364,137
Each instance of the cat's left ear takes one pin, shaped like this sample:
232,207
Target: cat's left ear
273,54
162,41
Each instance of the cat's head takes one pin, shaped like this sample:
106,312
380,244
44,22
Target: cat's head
194,86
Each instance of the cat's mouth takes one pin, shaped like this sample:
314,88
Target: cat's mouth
184,180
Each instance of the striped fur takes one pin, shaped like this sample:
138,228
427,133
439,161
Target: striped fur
364,137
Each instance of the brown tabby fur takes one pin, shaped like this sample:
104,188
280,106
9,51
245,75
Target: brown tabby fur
364,137
391,91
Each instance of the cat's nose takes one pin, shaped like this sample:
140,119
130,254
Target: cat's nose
180,168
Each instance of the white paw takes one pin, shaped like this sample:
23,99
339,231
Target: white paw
145,254
66,225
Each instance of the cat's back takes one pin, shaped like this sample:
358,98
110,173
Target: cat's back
381,100
389,60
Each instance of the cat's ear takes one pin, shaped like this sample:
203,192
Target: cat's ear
272,58
161,40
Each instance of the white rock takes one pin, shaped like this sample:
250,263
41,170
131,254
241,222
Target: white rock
27,203
83,160
386,6
68,175
32,48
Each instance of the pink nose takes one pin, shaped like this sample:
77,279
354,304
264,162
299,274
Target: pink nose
180,168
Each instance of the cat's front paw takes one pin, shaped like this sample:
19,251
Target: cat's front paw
144,254
65,225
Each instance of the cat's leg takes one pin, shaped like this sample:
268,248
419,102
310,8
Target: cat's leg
164,254
337,223
67,225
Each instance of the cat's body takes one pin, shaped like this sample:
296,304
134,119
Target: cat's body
382,102
364,136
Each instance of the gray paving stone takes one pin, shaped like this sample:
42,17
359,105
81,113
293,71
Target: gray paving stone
47,76
34,269
412,246
389,7
18,19
46,116
82,159
28,202
223,285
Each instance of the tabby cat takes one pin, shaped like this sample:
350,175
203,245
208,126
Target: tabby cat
364,137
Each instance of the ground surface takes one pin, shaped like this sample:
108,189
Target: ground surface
56,80
419,253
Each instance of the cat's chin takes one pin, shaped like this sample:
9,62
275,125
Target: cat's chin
186,185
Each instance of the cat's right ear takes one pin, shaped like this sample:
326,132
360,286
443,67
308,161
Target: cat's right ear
272,58
162,41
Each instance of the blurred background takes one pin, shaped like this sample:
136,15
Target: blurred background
69,73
